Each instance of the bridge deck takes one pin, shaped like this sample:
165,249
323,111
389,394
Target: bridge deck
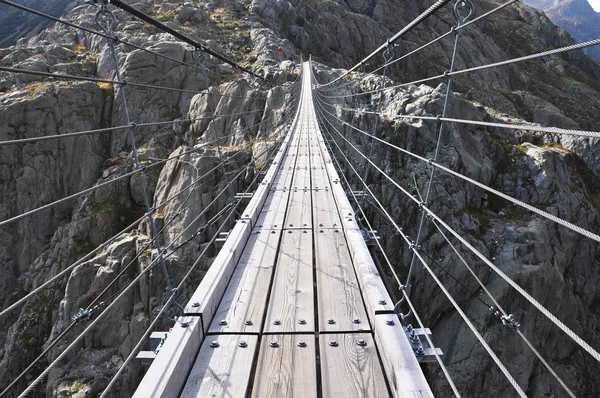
293,305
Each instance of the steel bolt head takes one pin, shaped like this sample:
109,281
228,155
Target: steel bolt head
302,321
356,321
420,351
276,322
195,304
214,344
389,322
409,328
274,344
248,322
243,344
382,302
222,322
331,321
302,344
333,343
361,342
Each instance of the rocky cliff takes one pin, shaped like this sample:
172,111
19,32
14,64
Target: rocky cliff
555,173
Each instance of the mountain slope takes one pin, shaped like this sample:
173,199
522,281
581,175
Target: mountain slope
15,24
576,17
553,173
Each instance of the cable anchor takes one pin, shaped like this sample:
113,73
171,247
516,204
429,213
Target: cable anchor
105,19
463,10
81,314
510,321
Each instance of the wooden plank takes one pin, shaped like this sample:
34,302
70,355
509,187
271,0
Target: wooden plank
283,179
399,362
222,371
292,296
243,305
206,298
302,162
299,213
374,293
301,178
325,212
287,370
338,293
319,177
273,213
350,369
167,375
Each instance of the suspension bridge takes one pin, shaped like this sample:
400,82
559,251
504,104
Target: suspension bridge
294,304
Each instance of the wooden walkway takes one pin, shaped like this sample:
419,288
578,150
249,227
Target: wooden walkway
293,305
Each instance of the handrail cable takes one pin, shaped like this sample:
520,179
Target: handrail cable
94,305
498,362
109,129
99,80
137,278
454,29
524,293
529,207
504,313
179,286
152,21
560,50
98,33
520,126
109,241
418,319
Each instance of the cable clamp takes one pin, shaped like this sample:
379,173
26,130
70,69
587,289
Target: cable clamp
509,320
141,168
82,314
132,124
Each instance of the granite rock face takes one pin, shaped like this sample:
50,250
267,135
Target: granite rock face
218,140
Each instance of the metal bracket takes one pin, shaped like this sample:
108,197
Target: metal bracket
243,196
423,351
370,236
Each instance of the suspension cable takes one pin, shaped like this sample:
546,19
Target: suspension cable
95,305
454,29
530,298
421,324
503,312
450,298
98,80
520,126
558,220
560,50
169,301
426,14
146,18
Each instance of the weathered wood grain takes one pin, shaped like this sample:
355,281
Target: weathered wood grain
399,362
299,212
287,370
338,293
325,212
222,371
292,295
243,305
349,369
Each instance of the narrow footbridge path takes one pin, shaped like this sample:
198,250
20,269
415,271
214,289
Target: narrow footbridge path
293,304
